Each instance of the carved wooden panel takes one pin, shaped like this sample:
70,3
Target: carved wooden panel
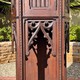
33,8
39,35
47,27
40,42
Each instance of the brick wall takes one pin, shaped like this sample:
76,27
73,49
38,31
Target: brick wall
6,54
74,54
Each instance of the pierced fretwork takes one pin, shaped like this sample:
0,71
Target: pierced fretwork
34,26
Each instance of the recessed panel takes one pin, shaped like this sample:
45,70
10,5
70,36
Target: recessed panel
32,8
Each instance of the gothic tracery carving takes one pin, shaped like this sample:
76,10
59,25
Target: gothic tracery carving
34,26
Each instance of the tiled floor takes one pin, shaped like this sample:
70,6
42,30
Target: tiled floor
71,78
8,69
73,71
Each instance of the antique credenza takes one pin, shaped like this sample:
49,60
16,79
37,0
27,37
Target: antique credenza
40,29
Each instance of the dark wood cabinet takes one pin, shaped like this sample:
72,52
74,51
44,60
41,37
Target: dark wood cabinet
40,35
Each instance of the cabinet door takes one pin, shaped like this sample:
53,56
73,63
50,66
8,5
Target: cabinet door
41,50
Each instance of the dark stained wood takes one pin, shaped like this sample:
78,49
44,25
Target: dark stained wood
38,11
40,32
